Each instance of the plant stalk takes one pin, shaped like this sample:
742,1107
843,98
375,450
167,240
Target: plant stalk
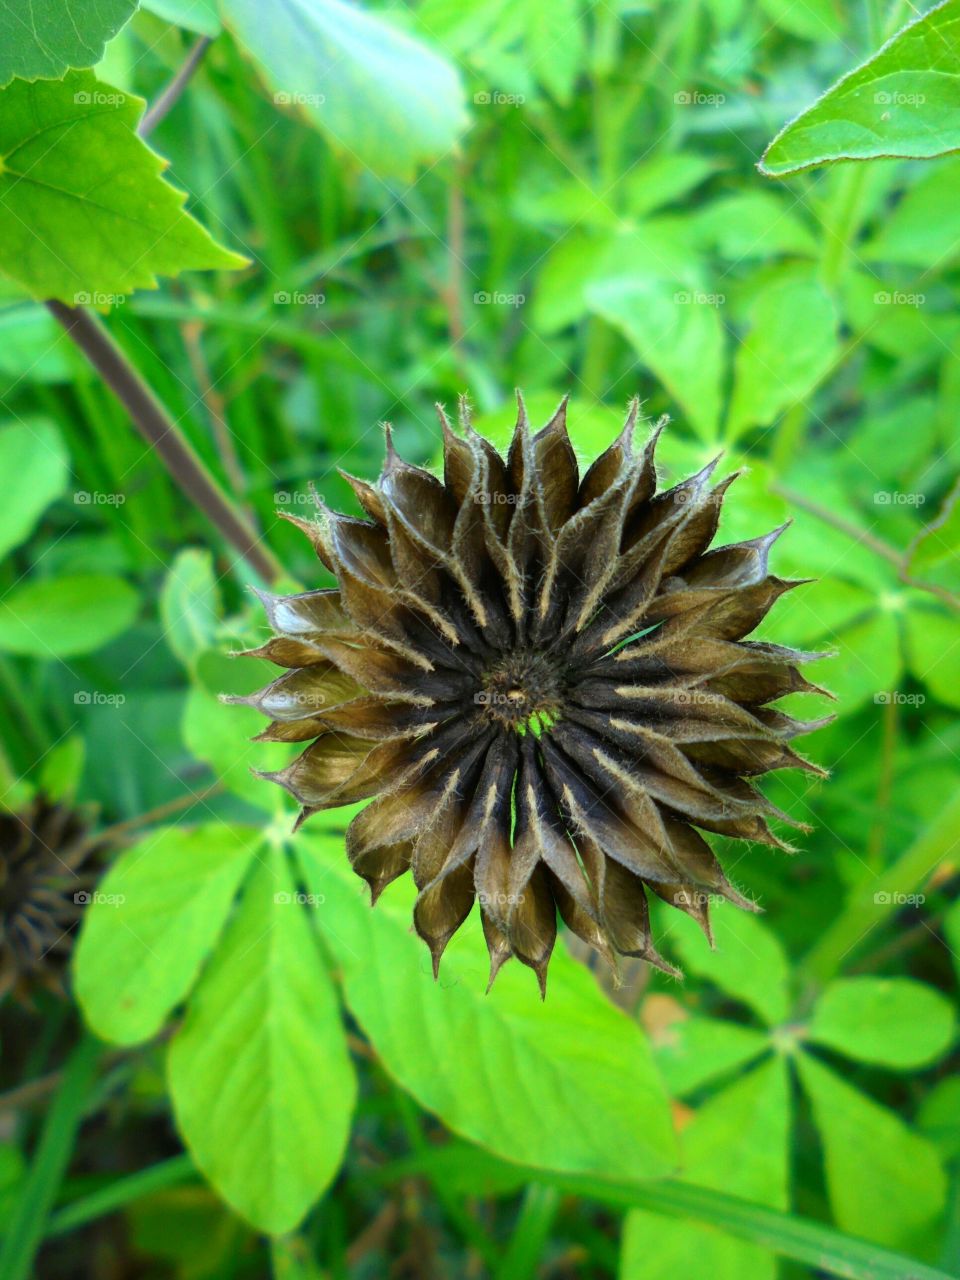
163,435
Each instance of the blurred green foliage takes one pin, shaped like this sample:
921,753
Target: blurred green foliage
438,199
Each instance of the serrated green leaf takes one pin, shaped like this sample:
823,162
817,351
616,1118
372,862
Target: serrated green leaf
85,215
153,921
780,361
196,15
42,39
262,1085
34,469
901,102
677,333
895,1022
190,605
692,1052
387,100
885,1181
749,963
581,1092
57,617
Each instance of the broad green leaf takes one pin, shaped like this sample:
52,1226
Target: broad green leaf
895,1022
57,617
901,102
868,665
814,614
923,230
195,15
692,1052
749,963
85,215
932,639
190,605
752,1118
382,97
221,734
885,1181
262,1085
43,38
152,923
34,470
781,361
677,332
580,1092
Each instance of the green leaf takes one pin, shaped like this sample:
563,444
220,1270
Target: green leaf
385,99
895,1022
951,926
581,1092
868,664
885,1181
262,1085
153,922
677,332
85,216
754,224
751,1117
923,229
58,617
190,605
42,39
196,15
932,637
692,1052
34,469
749,963
901,102
780,361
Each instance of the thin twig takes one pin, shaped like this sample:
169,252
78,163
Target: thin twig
120,830
171,94
164,436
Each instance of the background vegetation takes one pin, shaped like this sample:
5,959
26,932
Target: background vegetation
564,198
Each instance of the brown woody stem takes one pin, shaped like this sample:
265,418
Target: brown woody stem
171,94
164,436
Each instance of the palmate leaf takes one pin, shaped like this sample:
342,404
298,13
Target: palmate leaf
44,38
904,101
85,216
379,95
263,1088
568,1084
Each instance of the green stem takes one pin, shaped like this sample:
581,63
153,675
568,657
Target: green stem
165,437
169,1173
28,1221
531,1233
878,896
841,231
